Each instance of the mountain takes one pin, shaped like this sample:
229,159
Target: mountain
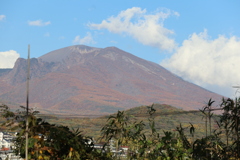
86,80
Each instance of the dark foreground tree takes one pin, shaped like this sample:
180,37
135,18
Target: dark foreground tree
53,142
48,141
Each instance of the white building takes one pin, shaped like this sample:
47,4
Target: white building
4,143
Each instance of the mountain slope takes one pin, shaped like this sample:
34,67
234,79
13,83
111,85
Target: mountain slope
87,80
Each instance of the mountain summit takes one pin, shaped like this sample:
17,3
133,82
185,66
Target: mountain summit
86,80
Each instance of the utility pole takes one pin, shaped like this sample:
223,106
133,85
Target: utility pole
27,103
237,89
237,123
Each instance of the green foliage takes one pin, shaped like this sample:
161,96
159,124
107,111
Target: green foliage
144,138
166,118
176,144
125,130
49,141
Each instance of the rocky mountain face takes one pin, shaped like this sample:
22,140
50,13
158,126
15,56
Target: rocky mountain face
87,80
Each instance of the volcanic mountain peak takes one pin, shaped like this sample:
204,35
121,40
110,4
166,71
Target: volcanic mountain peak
82,49
97,81
63,53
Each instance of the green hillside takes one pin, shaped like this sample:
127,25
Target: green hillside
167,118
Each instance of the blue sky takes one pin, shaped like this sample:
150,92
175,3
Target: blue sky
197,40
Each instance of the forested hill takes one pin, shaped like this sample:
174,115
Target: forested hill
166,118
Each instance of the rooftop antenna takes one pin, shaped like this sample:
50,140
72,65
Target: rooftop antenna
27,103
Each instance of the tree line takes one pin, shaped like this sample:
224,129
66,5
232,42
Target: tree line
56,142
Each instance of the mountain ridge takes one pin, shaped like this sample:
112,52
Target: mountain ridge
98,80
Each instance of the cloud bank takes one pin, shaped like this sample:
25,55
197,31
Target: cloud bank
39,23
147,29
85,40
8,58
2,17
211,63
47,34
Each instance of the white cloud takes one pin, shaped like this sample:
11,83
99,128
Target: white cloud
114,42
38,23
85,40
2,17
213,64
148,29
47,34
8,58
61,37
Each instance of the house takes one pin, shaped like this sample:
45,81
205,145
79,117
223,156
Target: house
6,146
5,143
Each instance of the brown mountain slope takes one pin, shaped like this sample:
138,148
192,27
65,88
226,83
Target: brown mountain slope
86,80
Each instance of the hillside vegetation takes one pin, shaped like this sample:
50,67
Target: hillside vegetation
145,131
166,119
